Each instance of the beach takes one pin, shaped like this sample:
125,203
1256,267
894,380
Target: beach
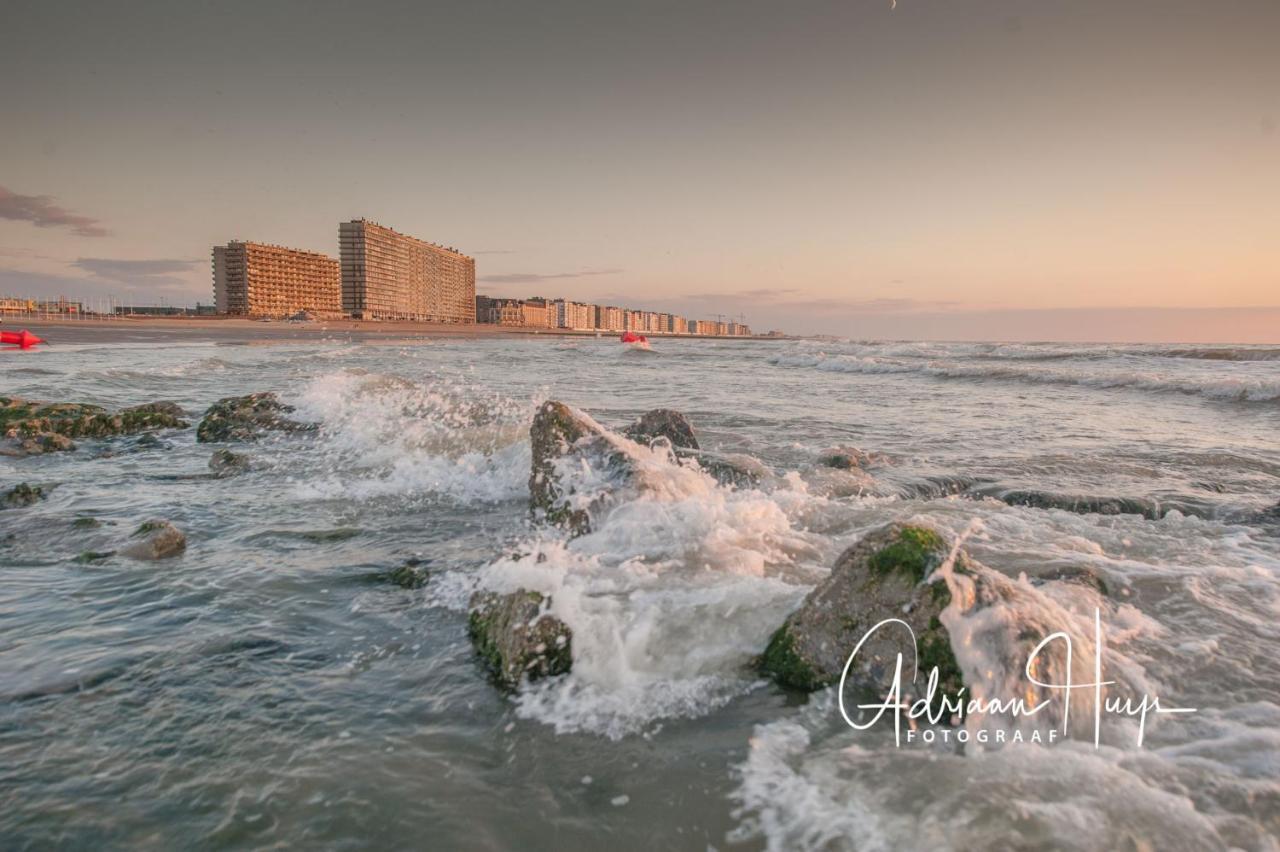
303,669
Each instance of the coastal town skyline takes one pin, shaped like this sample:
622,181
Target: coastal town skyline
851,169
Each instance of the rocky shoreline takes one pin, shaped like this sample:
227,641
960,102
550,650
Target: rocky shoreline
903,572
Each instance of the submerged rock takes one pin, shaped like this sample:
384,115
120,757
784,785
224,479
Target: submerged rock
227,463
737,469
412,574
517,638
845,458
663,423
564,444
888,574
22,495
156,539
44,442
39,427
1148,507
242,418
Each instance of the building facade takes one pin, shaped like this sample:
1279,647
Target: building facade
387,275
257,279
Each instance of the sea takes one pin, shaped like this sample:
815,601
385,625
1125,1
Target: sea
274,687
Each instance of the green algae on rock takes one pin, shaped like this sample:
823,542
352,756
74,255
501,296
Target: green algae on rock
156,539
243,418
40,427
22,495
888,574
517,638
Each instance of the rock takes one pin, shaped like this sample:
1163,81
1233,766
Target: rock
412,574
242,418
39,444
38,427
21,418
22,495
1080,575
845,458
566,443
888,574
158,539
663,423
737,469
517,638
227,463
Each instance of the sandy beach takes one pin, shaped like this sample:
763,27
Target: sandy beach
235,330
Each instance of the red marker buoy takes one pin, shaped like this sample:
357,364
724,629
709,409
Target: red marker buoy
22,339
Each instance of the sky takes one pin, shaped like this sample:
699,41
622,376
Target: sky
986,169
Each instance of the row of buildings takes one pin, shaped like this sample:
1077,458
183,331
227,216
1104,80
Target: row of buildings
538,312
380,274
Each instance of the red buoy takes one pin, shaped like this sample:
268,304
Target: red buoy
22,339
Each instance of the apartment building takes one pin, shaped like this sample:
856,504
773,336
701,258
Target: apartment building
258,279
387,275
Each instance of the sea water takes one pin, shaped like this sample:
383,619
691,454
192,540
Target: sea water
271,687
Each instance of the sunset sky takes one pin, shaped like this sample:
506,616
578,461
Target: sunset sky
989,169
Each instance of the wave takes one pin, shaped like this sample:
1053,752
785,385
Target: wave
1218,387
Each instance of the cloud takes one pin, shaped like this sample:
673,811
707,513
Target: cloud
532,277
40,211
160,271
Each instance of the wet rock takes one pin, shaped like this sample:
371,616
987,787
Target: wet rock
156,539
737,469
1080,575
22,495
566,444
663,423
243,418
412,574
86,523
517,638
227,463
845,458
1150,508
89,556
39,444
888,574
40,427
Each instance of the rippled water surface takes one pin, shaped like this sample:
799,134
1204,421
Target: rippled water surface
271,686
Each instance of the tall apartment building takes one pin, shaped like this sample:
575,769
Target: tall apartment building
256,279
389,275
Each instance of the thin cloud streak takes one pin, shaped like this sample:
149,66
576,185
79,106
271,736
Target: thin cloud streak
132,270
40,211
534,277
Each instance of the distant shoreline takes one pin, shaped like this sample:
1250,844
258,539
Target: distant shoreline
230,329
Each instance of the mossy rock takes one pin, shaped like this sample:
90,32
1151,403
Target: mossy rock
226,463
888,574
517,639
243,418
22,495
412,574
156,539
37,420
559,432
